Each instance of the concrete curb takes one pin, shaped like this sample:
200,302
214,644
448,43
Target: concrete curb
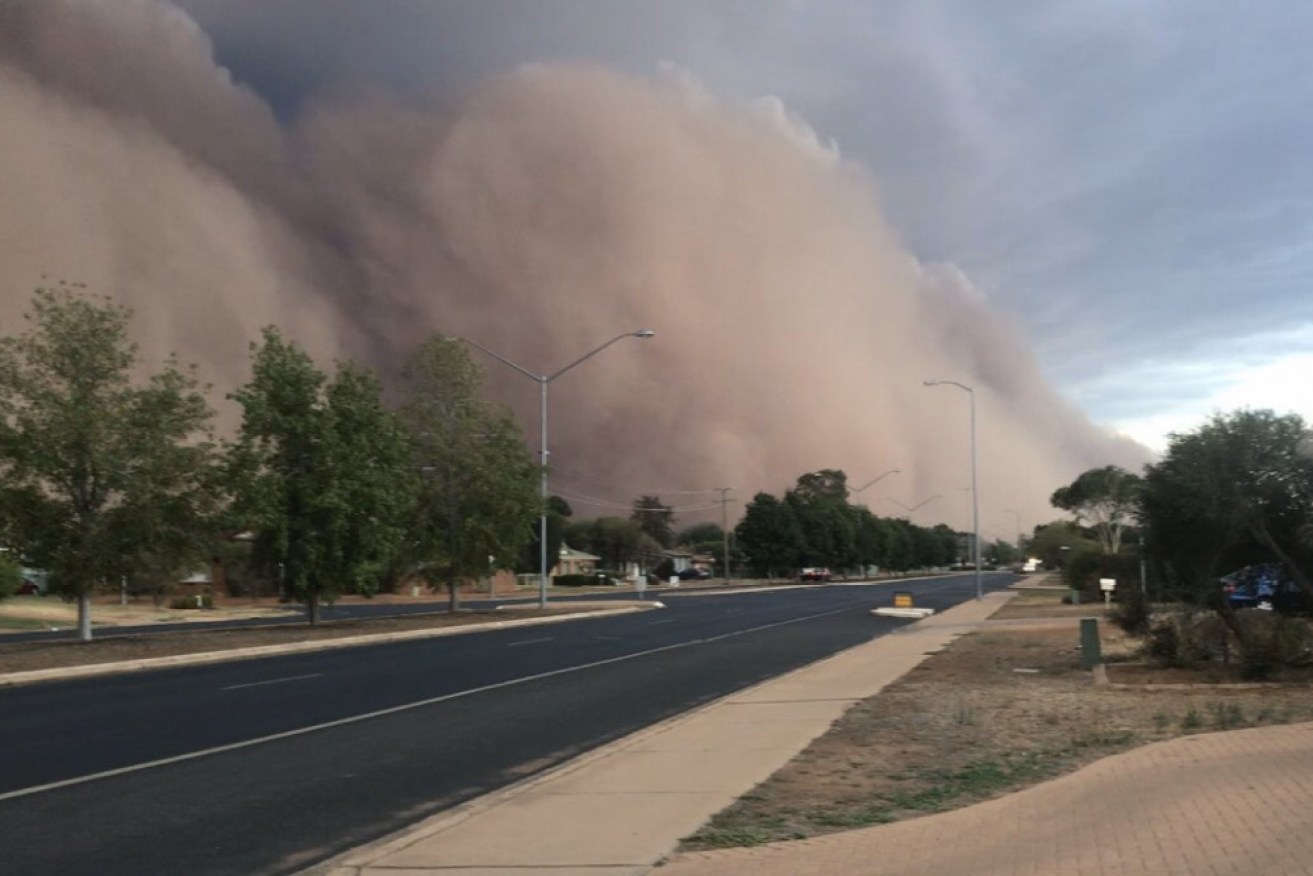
903,612
203,657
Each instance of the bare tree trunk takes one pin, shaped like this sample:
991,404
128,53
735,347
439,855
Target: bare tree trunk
84,617
453,595
312,608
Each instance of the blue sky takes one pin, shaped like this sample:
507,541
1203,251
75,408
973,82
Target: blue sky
1129,180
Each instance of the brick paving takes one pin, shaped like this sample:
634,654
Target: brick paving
1238,803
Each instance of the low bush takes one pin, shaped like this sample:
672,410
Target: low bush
1131,614
1271,641
192,602
581,580
1185,639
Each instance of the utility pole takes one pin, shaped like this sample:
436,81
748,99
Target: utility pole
724,526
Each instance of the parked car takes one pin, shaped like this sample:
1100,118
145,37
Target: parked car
1266,586
694,574
817,574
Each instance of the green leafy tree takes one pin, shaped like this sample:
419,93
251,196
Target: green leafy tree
699,535
869,546
11,576
1001,553
1054,543
820,502
1237,490
323,475
616,540
1104,499
770,536
478,497
655,518
826,485
899,552
559,513
102,473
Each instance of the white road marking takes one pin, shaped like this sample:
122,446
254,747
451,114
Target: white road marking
660,622
394,710
272,681
529,642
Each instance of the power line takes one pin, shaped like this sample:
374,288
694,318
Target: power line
649,491
612,503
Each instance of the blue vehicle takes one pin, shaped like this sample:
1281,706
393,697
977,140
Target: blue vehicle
1265,586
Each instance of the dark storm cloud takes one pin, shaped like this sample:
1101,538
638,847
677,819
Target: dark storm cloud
540,211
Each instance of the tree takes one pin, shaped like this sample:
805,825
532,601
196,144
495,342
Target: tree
826,485
820,502
701,534
899,553
11,576
616,540
478,497
559,513
1106,499
323,475
1053,543
101,471
869,547
655,518
770,536
1238,490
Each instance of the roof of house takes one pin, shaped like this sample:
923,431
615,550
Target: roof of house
569,553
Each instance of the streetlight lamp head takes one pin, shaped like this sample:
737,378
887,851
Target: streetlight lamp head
929,382
644,333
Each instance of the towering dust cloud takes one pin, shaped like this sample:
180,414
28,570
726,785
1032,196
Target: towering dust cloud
542,214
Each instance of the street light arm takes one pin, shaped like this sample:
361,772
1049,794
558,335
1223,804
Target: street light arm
949,383
876,480
502,359
641,333
927,501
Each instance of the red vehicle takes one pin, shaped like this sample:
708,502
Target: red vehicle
815,574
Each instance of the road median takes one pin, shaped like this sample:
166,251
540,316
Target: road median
23,663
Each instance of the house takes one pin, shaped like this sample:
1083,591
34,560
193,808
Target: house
573,562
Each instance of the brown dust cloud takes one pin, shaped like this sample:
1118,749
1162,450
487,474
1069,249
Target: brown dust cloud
541,213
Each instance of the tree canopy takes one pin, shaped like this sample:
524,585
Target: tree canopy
1105,499
104,474
655,518
322,474
1238,490
478,497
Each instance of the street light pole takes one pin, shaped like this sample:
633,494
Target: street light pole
975,494
543,380
1016,514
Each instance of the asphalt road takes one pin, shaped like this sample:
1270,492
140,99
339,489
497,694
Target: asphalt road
268,766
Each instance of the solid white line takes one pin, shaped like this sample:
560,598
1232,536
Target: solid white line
529,642
394,710
272,681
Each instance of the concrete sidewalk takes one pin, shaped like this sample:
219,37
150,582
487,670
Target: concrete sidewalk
621,809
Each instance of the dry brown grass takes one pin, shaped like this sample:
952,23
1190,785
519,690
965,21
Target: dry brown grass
994,712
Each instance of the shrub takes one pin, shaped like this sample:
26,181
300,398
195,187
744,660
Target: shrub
1083,571
1132,612
191,602
11,576
1184,639
590,580
1271,641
